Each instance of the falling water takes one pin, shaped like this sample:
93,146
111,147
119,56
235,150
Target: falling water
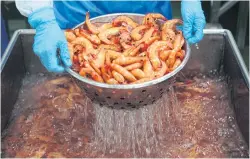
193,119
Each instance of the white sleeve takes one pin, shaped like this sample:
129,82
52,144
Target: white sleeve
26,7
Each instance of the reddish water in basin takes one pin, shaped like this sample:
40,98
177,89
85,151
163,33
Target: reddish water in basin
52,118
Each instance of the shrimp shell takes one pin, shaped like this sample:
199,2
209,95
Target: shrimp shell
118,77
70,36
128,60
113,54
118,20
138,73
162,71
125,73
143,80
112,81
91,37
91,26
176,64
109,32
164,54
145,37
153,52
134,66
86,43
148,69
135,33
110,47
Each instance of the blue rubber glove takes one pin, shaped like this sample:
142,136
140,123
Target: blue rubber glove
49,37
193,20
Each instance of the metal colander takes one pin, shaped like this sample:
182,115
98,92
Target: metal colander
131,95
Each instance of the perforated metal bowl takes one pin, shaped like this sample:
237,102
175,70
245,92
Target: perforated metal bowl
131,95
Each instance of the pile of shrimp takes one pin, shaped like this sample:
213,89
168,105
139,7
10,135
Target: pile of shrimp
124,51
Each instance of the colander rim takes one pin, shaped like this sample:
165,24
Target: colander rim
130,86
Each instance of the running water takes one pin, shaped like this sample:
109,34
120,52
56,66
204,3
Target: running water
193,119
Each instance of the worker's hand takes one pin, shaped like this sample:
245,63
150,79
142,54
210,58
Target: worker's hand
49,37
193,20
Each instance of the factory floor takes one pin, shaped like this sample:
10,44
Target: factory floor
17,21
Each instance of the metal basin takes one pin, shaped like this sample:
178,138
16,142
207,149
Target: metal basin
131,95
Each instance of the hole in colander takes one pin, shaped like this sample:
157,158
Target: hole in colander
140,101
128,103
122,98
109,97
133,107
153,101
115,103
161,93
122,108
144,104
161,89
96,94
143,91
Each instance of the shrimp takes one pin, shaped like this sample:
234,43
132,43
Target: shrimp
155,16
180,54
148,69
178,42
104,27
91,37
135,33
164,54
143,54
120,19
100,59
135,50
113,54
128,60
125,73
89,70
176,64
128,50
168,29
109,32
162,71
90,26
138,73
118,77
95,67
105,73
110,47
107,59
153,52
145,37
150,40
171,59
84,71
177,47
149,21
142,80
70,36
86,43
125,45
134,66
112,81
95,76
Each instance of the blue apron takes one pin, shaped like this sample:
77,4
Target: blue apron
71,13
